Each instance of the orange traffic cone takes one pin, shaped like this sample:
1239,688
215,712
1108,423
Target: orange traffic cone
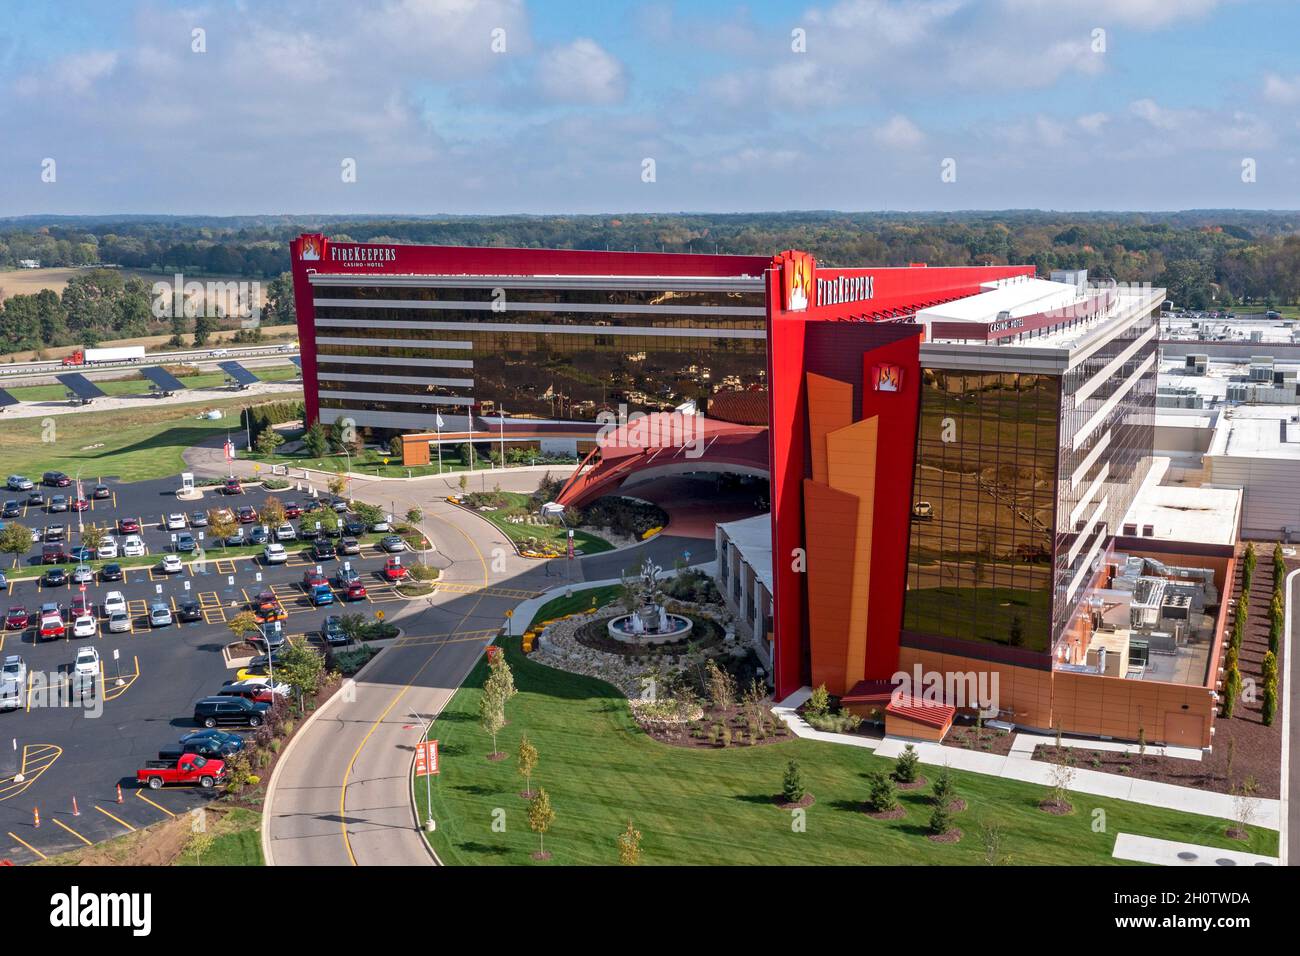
75,811
119,793
36,817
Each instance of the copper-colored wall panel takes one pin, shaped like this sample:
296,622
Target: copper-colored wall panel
832,518
851,467
830,407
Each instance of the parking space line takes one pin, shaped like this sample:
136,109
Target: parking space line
72,831
19,839
154,805
112,817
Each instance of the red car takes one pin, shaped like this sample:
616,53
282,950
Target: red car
128,526
80,504
393,569
258,693
356,591
52,627
17,617
247,515
291,510
311,579
233,487
188,769
81,605
267,607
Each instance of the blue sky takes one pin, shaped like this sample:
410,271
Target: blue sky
1065,104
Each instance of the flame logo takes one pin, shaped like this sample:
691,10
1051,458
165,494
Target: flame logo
311,248
889,378
797,269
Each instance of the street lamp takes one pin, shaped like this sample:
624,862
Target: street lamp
501,414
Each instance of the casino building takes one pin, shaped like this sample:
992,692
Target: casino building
955,455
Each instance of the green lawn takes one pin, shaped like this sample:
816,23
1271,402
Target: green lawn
237,841
372,463
715,807
584,541
138,444
139,385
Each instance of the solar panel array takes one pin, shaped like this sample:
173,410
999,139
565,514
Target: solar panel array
79,385
240,374
164,379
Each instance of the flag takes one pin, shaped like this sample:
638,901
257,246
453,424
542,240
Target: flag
439,414
230,450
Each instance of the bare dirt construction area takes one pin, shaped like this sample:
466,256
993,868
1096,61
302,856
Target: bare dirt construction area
162,844
31,281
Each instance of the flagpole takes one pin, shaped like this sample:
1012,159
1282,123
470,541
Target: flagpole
439,423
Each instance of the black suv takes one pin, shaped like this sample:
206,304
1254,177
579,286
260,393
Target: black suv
212,711
354,527
322,550
12,509
190,610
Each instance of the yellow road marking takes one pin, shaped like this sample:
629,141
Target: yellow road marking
112,817
29,846
72,831
154,805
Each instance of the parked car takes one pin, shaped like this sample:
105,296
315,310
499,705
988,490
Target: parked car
55,479
185,543
16,617
321,595
246,514
52,626
332,630
55,577
12,509
133,546
393,569
311,578
82,605
267,607
259,535
392,544
171,564
118,622
291,510
53,554
260,694
349,546
107,549
189,610
13,683
214,711
18,483
55,532
4,582
381,526
115,601
84,626
110,572
232,486
175,521
160,615
285,533
274,554
270,638
36,499
79,504
87,661
128,526
102,491
81,554
237,539
58,503
198,519
227,742
186,769
322,551
83,574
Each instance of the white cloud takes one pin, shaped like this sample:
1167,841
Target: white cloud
74,74
1147,14
1092,122
1281,89
899,133
581,72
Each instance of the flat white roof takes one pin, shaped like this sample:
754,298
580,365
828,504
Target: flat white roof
752,537
1185,513
1020,296
1258,431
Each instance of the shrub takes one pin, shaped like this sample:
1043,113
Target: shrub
882,795
943,791
1268,704
940,819
792,787
907,766
820,702
843,722
1231,690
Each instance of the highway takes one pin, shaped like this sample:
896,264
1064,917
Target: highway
39,373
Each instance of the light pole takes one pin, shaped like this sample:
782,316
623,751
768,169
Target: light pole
502,416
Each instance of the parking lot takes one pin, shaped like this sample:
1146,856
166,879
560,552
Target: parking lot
150,676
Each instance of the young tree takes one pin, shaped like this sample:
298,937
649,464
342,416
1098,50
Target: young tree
243,624
527,764
198,844
991,837
882,795
722,686
940,818
540,818
338,484
501,677
302,669
221,524
792,786
463,482
92,536
267,441
1245,804
273,511
315,440
368,513
414,516
492,713
907,766
15,540
629,846
1061,776
942,791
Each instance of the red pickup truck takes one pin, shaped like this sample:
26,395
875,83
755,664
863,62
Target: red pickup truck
187,769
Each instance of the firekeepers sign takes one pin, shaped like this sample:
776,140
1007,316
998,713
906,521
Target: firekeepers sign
426,758
801,288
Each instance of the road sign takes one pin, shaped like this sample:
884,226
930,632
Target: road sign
426,758
259,577
187,585
158,588
230,580
510,613
379,615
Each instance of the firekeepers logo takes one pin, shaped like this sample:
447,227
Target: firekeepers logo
797,271
888,378
310,249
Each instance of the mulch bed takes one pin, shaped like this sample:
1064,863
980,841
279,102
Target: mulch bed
952,836
957,805
498,756
916,784
987,741
704,634
806,801
733,718
542,857
1056,809
895,814
1236,833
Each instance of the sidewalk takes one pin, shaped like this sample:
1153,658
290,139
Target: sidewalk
1143,849
1018,766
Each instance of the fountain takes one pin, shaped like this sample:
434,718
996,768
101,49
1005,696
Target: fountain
650,622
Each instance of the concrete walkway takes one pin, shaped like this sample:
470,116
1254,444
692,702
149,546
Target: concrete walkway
1024,745
1095,783
1144,849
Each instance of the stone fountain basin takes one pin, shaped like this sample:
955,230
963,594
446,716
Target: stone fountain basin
623,633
